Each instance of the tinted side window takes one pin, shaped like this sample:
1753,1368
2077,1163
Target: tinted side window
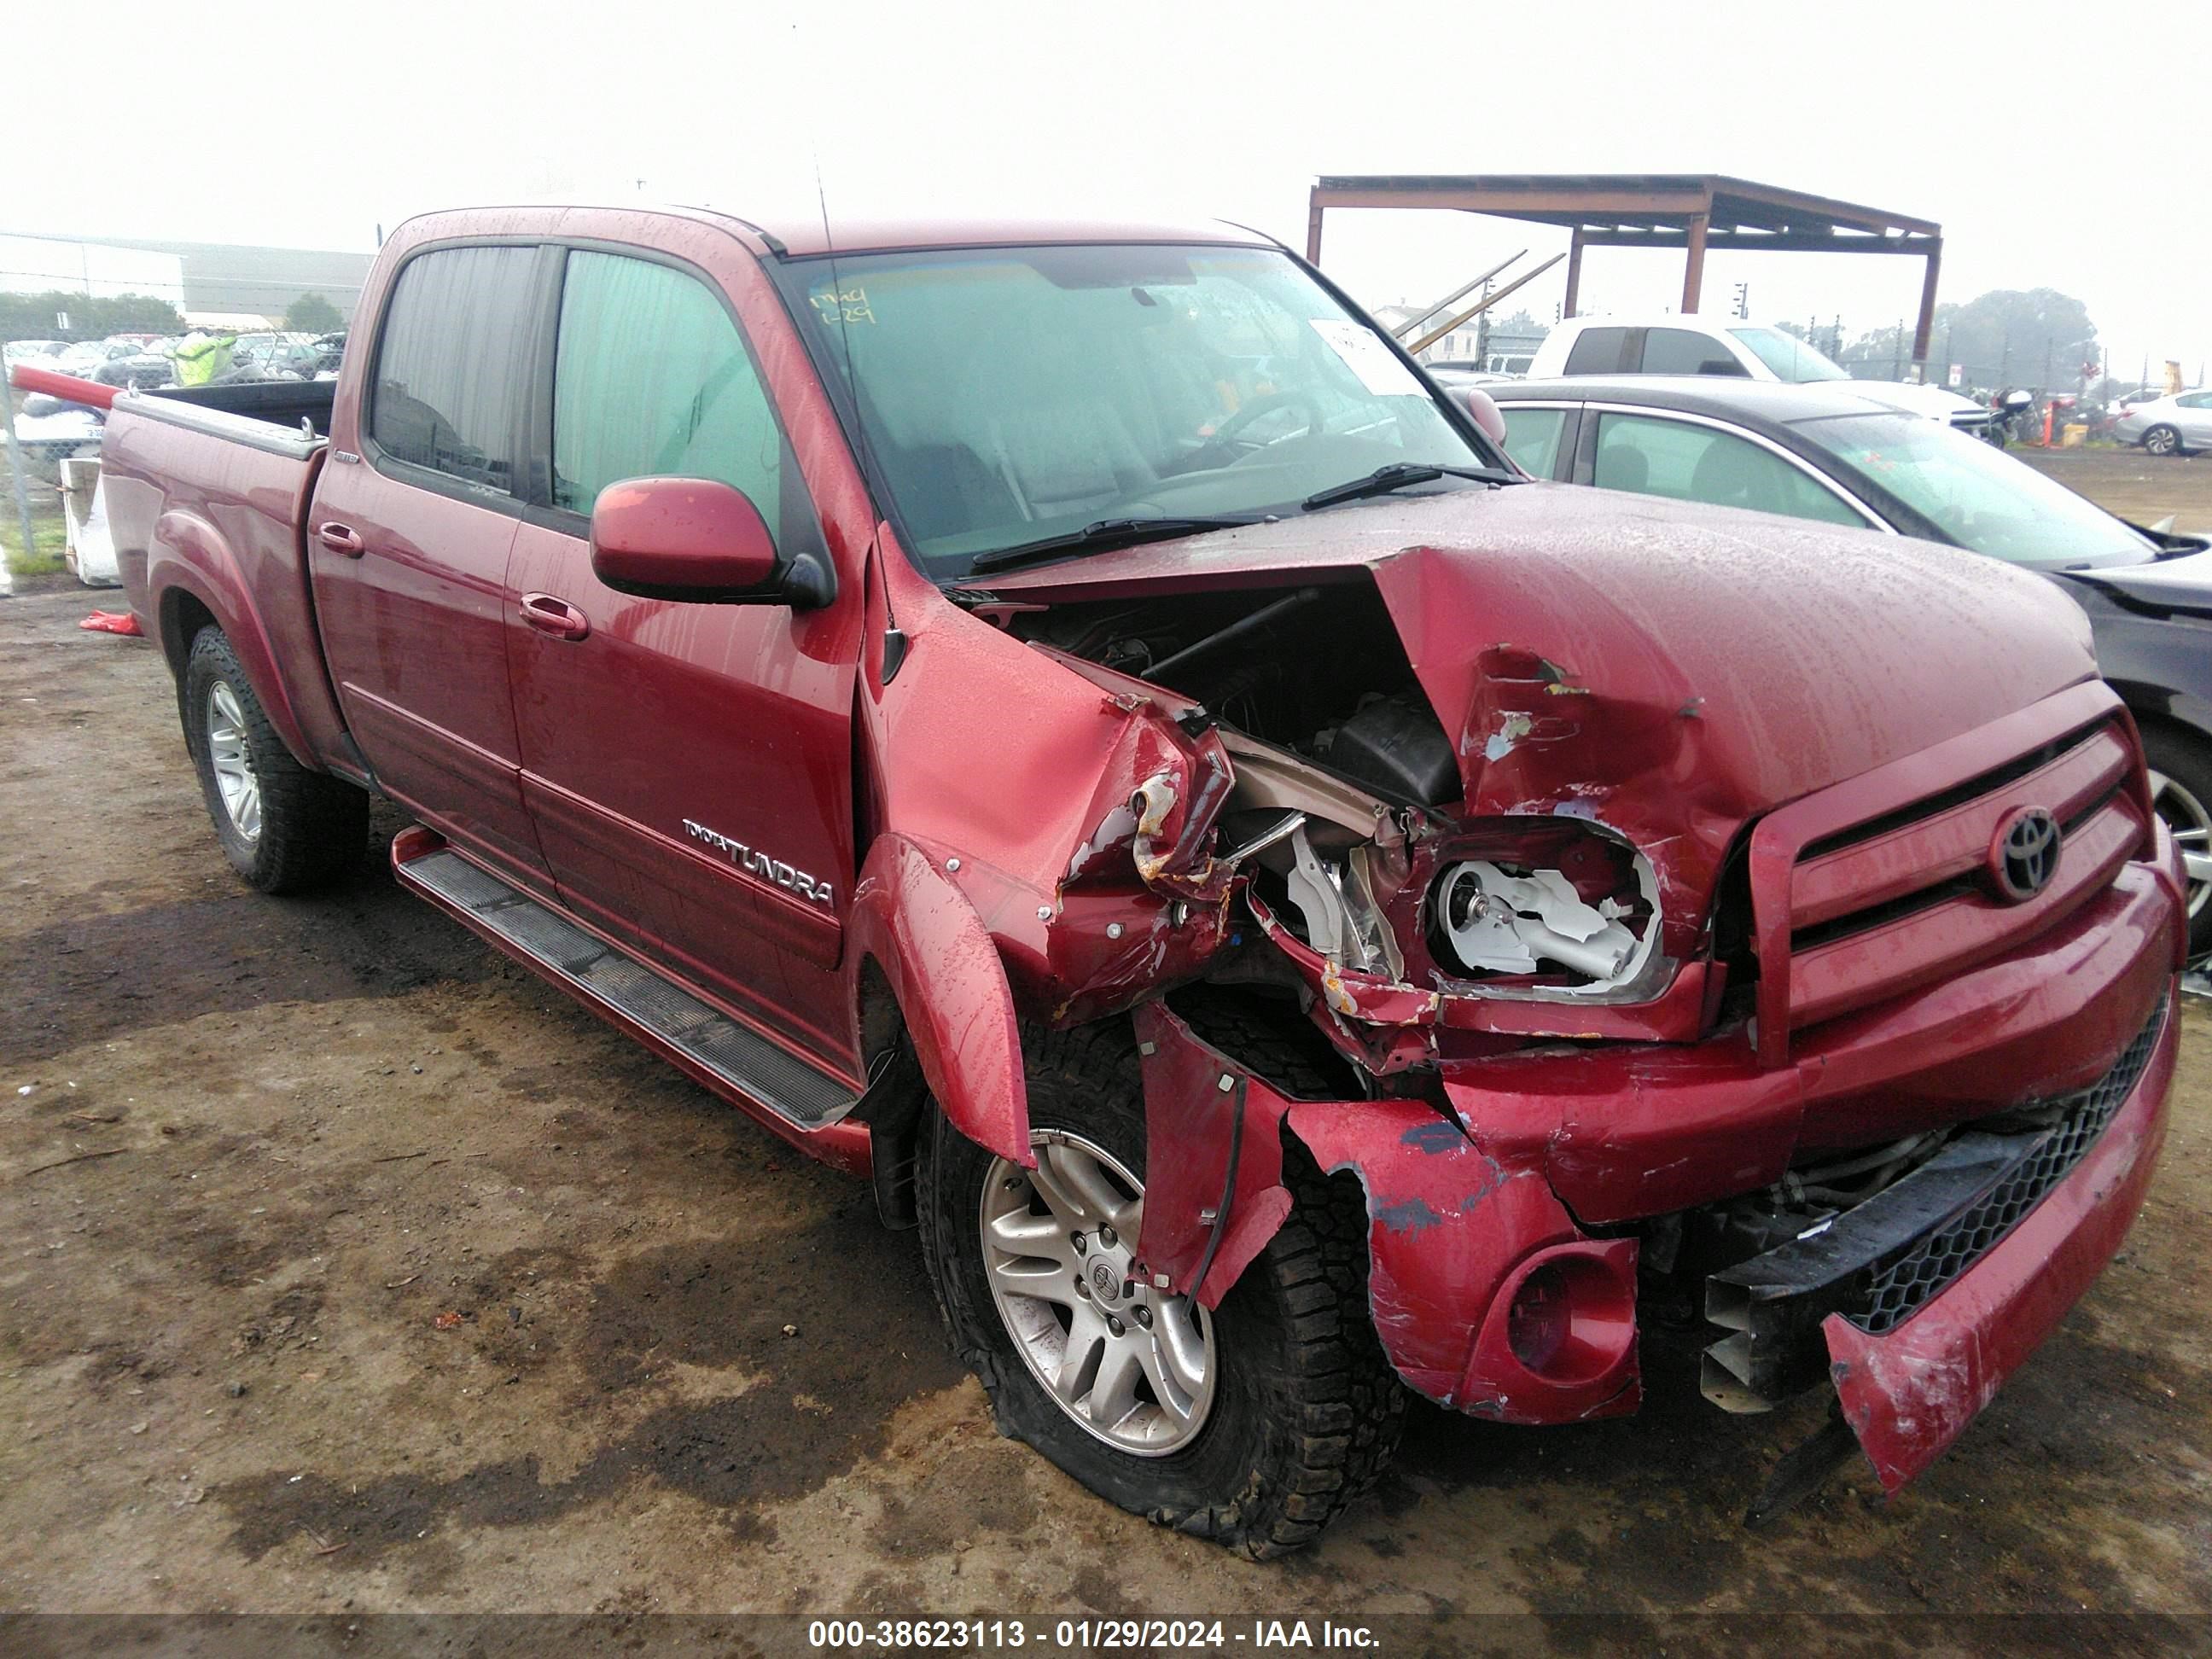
1679,351
1597,351
651,379
451,365
1532,439
1690,463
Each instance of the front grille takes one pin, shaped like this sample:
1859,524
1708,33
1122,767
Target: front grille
1880,887
1896,1293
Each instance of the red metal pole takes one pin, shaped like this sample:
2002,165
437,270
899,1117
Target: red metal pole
67,388
1574,274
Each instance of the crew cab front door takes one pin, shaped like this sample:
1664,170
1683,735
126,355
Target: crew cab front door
688,765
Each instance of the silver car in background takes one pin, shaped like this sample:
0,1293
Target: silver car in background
2178,424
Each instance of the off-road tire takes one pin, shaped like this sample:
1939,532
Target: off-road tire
1306,1409
2161,440
2188,761
313,826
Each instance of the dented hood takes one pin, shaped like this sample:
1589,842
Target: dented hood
1666,669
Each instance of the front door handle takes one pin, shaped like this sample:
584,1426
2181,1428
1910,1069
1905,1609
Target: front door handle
340,539
554,616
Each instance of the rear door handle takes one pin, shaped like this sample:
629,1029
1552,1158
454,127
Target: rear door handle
340,539
554,616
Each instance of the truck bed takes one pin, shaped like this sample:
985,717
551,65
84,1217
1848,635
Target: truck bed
208,504
286,403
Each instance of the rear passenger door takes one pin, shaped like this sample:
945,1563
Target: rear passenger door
670,742
1687,460
409,537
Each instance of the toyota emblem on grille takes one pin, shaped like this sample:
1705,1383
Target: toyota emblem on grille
2024,855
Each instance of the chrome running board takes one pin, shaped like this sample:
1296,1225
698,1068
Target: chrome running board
633,993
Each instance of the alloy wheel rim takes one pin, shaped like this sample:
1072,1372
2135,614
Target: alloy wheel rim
1133,1366
235,778
2191,821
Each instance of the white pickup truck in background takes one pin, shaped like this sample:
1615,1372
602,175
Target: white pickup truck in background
1674,343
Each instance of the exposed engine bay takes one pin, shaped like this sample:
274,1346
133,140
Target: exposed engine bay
1344,816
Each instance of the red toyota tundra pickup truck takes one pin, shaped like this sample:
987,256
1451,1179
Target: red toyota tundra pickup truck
1070,725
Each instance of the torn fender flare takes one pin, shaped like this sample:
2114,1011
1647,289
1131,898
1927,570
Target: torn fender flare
1452,1229
951,989
1189,1119
1909,1393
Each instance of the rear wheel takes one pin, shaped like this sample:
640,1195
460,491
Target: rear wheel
2162,441
283,828
1254,1424
2181,794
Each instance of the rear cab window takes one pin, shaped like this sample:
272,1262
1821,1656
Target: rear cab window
1682,351
1599,351
451,364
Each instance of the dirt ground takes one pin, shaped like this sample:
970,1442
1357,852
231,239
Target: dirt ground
2138,487
255,1154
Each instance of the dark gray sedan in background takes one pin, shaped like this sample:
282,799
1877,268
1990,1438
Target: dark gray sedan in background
1822,451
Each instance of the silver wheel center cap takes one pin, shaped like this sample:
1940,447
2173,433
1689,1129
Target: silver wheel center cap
1105,1281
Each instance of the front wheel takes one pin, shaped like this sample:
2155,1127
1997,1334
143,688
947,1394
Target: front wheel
2162,441
283,828
1254,1424
2181,794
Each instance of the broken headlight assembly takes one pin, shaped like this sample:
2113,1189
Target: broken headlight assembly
1491,916
1562,908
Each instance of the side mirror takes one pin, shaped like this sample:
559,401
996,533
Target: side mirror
698,540
1484,407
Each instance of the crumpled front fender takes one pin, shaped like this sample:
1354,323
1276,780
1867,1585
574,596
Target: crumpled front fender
951,986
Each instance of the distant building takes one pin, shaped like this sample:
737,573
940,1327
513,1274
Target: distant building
213,277
99,270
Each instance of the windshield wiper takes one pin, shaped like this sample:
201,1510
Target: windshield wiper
1398,475
1105,532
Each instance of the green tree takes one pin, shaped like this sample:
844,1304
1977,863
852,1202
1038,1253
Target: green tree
2036,338
311,313
31,316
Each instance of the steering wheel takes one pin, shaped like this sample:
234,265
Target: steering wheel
1229,435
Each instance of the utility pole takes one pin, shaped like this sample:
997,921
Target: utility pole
1897,354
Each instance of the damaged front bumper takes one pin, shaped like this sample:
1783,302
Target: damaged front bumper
1492,1283
1909,1390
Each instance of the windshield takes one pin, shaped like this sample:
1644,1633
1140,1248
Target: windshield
1008,395
1791,360
1980,497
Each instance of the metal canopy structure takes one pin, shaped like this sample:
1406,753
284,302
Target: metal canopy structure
1693,212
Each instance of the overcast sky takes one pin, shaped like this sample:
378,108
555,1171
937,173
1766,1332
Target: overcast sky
2031,131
